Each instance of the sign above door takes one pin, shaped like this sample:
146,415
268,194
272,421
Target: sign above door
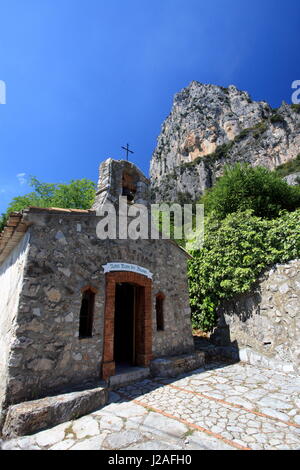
134,268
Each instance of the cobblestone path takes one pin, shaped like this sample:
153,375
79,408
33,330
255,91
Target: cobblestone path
221,406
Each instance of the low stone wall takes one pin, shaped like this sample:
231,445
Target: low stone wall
264,324
33,416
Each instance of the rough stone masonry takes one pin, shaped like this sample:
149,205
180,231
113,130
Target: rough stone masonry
49,259
264,323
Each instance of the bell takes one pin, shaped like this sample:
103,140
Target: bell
129,194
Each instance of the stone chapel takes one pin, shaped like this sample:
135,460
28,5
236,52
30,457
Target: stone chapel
76,309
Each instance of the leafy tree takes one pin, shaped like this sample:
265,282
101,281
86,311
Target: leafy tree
78,194
244,187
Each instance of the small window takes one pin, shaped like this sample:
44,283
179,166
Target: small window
159,307
86,314
128,187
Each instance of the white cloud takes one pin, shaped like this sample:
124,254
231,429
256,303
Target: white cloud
2,92
21,178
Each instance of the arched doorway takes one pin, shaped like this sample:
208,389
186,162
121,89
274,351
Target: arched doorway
127,321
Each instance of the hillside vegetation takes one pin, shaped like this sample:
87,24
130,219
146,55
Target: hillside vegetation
252,221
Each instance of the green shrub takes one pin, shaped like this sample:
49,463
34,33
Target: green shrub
277,118
184,198
296,107
244,187
292,166
243,134
236,250
3,220
260,129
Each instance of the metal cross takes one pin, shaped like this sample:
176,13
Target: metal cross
127,151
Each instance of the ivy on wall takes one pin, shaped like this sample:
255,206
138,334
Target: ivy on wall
236,250
252,222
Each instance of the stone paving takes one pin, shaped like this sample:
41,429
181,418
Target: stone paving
222,406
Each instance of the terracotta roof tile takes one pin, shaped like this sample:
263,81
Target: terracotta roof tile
59,209
11,234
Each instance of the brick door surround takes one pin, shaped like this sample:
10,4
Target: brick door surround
143,324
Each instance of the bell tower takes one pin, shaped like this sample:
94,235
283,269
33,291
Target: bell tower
121,178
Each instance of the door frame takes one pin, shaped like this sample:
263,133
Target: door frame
143,323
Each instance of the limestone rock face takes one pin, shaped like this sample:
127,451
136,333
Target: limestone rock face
210,126
293,179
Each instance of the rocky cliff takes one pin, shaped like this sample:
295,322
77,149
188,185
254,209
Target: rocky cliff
210,126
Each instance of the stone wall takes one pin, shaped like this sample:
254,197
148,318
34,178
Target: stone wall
65,256
264,324
11,277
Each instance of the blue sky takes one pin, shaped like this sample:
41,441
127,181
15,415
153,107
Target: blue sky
84,78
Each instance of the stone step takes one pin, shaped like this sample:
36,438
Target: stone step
212,352
171,366
126,375
220,353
